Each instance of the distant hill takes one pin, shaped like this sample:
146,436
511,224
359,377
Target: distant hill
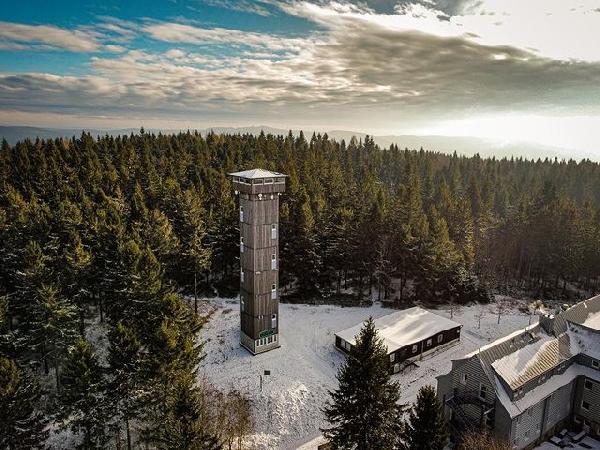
464,145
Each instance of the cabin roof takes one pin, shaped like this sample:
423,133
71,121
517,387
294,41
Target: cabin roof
256,173
402,328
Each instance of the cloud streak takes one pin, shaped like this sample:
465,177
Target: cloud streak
412,64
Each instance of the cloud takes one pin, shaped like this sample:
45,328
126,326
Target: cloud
549,28
241,5
416,64
47,36
102,37
175,32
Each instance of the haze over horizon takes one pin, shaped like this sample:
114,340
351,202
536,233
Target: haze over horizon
505,70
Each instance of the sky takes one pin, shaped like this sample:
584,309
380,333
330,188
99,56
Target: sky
504,69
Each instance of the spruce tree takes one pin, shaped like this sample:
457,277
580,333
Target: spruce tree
363,411
125,388
22,423
426,427
82,396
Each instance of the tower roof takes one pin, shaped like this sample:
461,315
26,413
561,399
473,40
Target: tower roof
256,173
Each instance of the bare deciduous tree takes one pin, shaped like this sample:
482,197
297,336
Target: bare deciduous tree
480,440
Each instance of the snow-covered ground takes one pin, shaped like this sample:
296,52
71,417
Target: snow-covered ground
287,410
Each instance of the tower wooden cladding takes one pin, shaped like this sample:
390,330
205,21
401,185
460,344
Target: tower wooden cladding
259,192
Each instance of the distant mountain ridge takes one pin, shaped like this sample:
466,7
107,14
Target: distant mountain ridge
463,145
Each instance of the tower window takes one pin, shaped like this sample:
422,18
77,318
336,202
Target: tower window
242,244
274,231
241,213
273,320
242,276
273,292
273,261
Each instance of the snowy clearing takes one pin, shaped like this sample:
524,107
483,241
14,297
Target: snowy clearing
287,411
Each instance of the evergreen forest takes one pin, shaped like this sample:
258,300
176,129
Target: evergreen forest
130,231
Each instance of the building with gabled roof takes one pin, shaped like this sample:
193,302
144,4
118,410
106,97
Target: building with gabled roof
526,386
408,334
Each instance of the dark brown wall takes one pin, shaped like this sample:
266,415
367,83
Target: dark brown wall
255,261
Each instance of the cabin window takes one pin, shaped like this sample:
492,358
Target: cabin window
241,213
347,345
588,385
595,363
440,338
273,292
482,391
392,357
274,231
281,180
429,342
242,244
585,405
273,261
273,320
414,348
268,180
257,181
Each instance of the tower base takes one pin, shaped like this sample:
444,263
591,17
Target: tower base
256,346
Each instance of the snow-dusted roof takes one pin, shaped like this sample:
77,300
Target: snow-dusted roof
584,340
536,395
593,321
256,173
531,361
403,328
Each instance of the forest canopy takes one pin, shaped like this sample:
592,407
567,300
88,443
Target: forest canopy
118,229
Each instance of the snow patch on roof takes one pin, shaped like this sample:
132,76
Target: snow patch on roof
529,362
583,340
402,328
593,321
256,173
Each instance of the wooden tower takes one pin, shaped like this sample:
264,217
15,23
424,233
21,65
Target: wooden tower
259,192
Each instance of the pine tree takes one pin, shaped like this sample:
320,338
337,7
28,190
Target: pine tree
184,425
22,423
426,427
57,326
125,388
363,412
82,395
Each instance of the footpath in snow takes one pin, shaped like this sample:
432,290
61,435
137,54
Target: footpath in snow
287,411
